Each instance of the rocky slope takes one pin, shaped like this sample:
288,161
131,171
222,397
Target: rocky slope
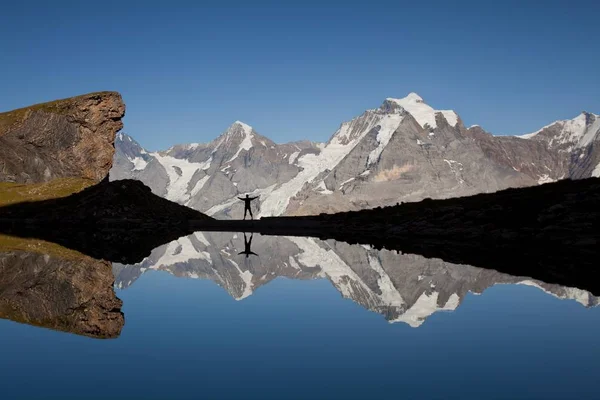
402,287
59,291
402,151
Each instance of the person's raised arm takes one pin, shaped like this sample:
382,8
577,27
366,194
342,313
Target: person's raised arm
241,198
252,198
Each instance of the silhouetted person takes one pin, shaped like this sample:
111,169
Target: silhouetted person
247,244
247,208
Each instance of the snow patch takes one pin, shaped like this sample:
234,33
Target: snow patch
545,179
346,181
596,171
246,278
425,306
387,127
293,157
180,251
246,143
177,188
138,163
322,188
199,185
201,238
456,168
389,293
293,263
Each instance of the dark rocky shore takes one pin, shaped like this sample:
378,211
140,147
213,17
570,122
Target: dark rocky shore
115,221
549,232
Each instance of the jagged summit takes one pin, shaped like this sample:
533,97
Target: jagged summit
234,135
238,128
247,128
566,134
423,112
412,96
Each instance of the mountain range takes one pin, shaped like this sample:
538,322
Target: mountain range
402,287
405,150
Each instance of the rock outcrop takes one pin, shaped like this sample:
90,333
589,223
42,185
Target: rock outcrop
69,138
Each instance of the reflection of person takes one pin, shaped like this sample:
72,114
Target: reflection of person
247,208
247,244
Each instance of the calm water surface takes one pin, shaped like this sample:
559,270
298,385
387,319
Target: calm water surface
305,319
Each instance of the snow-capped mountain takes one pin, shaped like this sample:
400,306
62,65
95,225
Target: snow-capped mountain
405,150
577,139
402,287
211,176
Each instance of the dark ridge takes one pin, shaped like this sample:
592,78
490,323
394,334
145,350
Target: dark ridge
117,221
548,232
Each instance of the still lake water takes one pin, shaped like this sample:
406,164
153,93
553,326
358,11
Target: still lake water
306,319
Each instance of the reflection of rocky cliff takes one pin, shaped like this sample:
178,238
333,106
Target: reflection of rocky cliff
64,291
402,287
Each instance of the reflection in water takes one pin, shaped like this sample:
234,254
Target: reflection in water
183,335
46,285
248,246
402,287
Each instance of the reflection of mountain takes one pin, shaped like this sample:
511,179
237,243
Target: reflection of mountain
402,287
58,289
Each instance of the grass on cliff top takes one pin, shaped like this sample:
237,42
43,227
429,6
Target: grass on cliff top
10,118
11,243
11,193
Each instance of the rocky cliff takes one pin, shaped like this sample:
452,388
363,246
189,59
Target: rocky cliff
69,138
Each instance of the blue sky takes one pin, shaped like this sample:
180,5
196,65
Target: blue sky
296,70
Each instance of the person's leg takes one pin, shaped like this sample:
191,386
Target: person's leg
251,216
245,211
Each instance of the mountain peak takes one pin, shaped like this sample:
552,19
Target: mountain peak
245,127
235,132
421,111
414,97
